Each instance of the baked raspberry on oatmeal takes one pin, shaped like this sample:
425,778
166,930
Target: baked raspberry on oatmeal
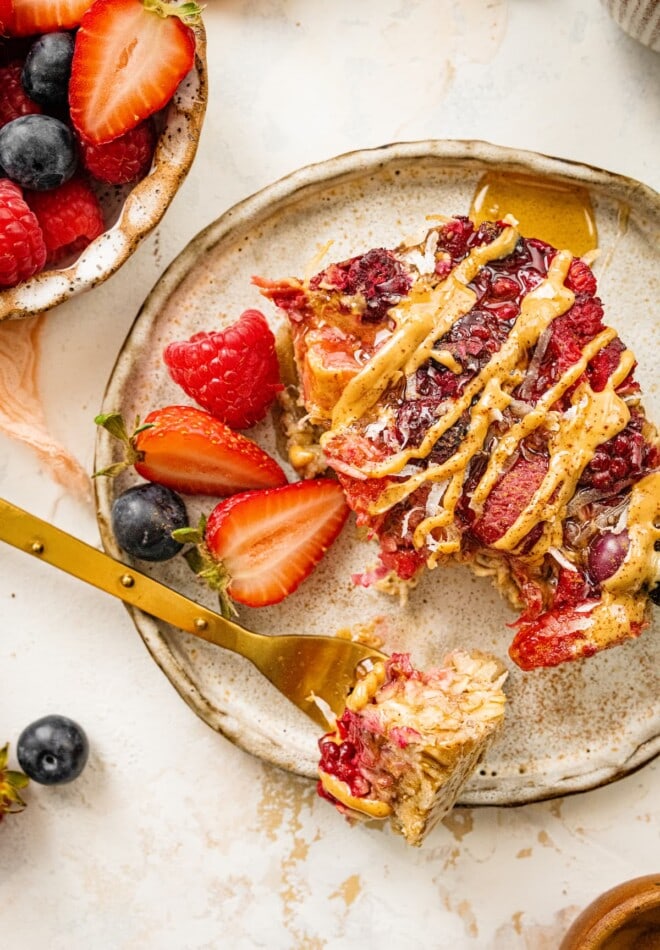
408,740
477,409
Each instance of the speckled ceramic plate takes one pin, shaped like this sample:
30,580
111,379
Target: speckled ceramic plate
130,212
568,729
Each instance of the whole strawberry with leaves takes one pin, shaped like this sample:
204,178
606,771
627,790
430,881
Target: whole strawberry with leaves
11,784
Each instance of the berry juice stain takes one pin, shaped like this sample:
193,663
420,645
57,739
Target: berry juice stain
556,212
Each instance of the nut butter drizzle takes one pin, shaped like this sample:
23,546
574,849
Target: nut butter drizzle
424,317
369,807
599,417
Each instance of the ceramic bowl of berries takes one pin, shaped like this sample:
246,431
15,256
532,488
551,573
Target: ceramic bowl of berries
101,108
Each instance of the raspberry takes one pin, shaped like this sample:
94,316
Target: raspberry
604,363
124,159
580,278
377,275
454,236
70,217
619,462
22,247
505,288
233,374
14,100
569,334
474,338
346,759
485,233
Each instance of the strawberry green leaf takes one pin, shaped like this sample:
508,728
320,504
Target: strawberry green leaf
189,12
190,535
194,558
113,422
112,470
17,779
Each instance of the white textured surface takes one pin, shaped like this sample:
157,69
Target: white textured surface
173,838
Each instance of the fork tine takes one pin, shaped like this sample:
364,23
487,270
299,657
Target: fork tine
302,667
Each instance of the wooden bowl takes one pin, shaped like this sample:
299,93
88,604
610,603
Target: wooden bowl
627,917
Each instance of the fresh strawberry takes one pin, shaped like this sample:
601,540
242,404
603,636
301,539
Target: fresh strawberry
11,784
130,56
70,218
188,450
46,16
233,373
14,101
125,159
258,547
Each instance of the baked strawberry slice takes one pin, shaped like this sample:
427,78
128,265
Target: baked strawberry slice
129,58
509,497
188,450
45,16
258,547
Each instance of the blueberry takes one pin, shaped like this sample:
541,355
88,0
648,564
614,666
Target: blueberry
37,152
47,68
53,750
143,519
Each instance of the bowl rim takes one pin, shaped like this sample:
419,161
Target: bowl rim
142,210
611,910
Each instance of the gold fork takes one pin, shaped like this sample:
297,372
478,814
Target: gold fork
300,666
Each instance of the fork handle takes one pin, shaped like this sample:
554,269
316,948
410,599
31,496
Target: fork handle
49,543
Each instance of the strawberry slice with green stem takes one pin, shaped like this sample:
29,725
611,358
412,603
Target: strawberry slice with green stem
257,547
129,58
188,450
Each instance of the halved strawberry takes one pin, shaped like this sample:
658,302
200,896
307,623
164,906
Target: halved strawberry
45,16
129,58
258,547
188,450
